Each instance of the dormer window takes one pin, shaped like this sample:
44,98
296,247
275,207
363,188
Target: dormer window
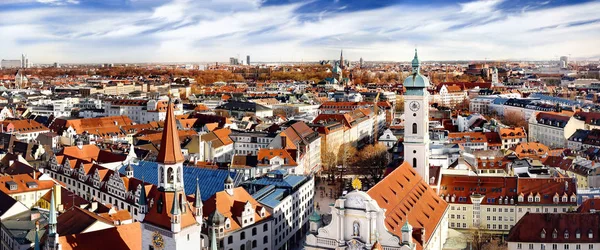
537,199
564,199
590,234
566,234
555,234
577,235
555,199
543,234
530,199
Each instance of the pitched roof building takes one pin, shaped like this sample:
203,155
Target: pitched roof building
406,197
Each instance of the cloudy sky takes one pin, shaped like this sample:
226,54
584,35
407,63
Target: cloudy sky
90,31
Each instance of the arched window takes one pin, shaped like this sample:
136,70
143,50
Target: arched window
414,162
170,175
160,175
243,247
265,239
414,128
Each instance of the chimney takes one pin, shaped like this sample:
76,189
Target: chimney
94,206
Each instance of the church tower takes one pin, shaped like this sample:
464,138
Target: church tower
169,220
416,120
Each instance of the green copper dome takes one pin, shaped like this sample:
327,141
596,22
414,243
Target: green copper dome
406,228
416,83
415,61
314,216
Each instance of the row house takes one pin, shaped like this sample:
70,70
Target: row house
27,188
289,199
332,136
302,142
216,146
547,231
512,136
140,111
552,128
93,129
470,141
534,151
449,95
584,139
92,181
236,220
249,142
496,203
24,130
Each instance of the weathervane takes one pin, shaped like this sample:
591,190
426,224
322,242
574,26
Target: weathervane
356,184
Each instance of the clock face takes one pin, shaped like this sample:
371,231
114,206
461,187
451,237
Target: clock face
414,106
157,241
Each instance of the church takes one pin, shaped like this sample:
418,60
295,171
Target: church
401,212
168,220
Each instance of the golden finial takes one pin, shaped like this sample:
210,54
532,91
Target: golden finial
356,183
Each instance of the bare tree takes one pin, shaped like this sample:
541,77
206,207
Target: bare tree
478,238
373,159
329,161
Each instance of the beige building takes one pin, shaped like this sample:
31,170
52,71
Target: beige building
495,204
552,129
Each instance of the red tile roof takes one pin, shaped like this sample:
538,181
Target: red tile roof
461,187
556,228
404,194
121,238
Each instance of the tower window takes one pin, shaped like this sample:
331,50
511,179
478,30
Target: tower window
414,162
170,175
414,128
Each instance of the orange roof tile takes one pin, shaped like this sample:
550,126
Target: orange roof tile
121,238
404,194
170,147
231,206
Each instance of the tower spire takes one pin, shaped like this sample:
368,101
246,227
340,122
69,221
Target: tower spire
52,220
416,64
198,196
170,146
213,239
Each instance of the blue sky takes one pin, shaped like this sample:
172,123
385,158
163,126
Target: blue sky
91,31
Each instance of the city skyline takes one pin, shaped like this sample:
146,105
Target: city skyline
193,31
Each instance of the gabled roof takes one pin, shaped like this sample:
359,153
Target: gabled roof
232,206
404,194
531,225
120,238
77,220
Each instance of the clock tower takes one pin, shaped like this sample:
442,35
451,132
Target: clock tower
416,120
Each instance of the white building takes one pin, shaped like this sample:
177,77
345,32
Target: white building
289,199
552,129
357,223
140,111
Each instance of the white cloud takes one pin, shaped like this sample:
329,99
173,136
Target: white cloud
189,30
480,6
